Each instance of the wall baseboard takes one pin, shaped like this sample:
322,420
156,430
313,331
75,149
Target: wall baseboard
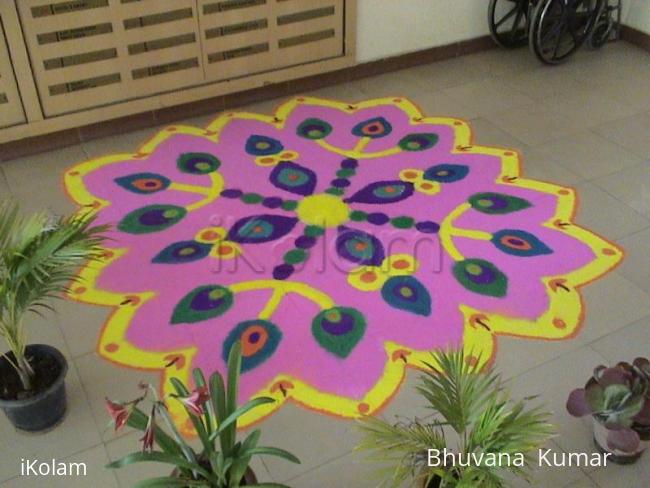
69,137
636,37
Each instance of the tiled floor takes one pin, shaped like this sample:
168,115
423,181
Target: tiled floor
585,123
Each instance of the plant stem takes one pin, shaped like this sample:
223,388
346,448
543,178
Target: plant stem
25,372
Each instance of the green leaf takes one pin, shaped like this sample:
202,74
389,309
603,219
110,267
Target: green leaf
273,451
218,398
168,481
237,471
231,420
158,457
182,391
232,395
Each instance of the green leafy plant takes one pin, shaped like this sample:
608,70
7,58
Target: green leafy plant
474,418
619,399
39,256
213,410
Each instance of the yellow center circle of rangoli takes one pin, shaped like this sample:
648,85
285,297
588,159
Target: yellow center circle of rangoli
323,210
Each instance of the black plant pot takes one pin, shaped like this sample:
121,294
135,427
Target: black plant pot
46,407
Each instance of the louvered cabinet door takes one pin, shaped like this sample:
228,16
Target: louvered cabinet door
89,53
308,30
11,108
238,37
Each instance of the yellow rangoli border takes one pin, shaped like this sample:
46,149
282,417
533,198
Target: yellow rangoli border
561,321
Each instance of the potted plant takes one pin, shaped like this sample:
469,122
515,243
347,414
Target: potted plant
476,436
222,462
618,399
38,259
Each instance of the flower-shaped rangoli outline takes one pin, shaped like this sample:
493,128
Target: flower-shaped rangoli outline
561,320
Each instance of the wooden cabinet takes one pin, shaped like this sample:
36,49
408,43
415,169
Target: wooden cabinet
82,61
88,53
11,108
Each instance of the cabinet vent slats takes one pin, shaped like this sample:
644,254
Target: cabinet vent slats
91,53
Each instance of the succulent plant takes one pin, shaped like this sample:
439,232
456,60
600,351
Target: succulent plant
619,398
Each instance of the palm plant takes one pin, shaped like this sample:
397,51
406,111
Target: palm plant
478,410
38,259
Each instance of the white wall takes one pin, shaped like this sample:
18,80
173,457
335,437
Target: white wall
390,27
637,14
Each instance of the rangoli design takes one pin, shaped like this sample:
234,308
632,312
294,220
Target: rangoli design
340,243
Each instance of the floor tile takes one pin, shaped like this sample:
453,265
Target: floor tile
630,476
81,325
96,476
439,104
76,433
611,303
407,403
328,438
344,92
37,181
129,475
539,166
636,265
349,470
126,143
631,186
448,73
488,96
589,155
602,213
535,124
542,84
102,379
630,132
485,133
625,344
500,62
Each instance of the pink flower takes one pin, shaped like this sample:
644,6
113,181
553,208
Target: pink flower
149,434
119,413
194,403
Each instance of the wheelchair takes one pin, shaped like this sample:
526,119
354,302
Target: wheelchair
554,29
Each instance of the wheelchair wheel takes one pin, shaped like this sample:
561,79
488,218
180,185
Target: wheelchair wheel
559,28
508,21
601,33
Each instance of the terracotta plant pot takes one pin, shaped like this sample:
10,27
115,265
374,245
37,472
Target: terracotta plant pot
45,407
618,457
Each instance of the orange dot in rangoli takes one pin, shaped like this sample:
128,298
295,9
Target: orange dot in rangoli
79,290
397,100
225,250
111,347
563,192
410,174
171,129
401,264
608,252
559,324
74,173
363,407
107,254
253,339
458,122
368,277
267,160
426,186
210,235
